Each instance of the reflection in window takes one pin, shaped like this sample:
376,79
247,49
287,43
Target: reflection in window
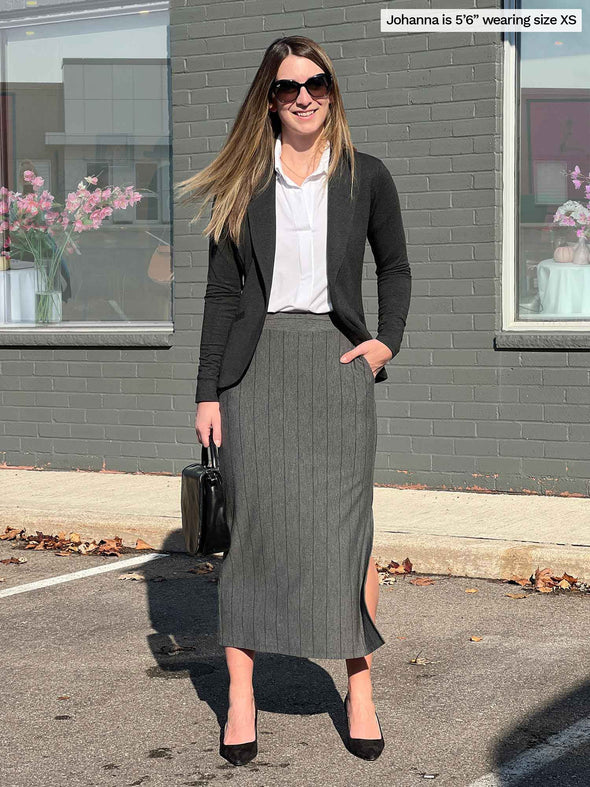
553,282
82,100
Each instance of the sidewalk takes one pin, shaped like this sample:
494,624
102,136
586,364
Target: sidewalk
458,533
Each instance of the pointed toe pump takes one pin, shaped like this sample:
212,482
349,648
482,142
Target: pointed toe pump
239,753
365,748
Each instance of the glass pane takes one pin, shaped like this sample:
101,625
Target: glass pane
87,102
553,281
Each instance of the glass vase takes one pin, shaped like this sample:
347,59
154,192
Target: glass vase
581,252
48,296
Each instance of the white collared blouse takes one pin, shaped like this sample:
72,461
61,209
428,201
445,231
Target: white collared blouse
299,281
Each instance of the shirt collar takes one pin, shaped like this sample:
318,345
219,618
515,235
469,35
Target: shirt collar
321,169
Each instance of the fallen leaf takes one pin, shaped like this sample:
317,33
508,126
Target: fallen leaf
141,544
476,639
571,580
10,533
516,595
472,590
133,575
422,581
202,568
110,546
519,580
395,568
543,580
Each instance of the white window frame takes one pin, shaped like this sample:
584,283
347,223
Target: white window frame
510,321
48,15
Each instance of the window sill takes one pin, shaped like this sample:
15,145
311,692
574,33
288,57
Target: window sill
88,336
523,340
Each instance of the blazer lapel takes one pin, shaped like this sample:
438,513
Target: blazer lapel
261,215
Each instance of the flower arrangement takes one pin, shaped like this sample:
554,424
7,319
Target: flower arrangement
572,213
31,225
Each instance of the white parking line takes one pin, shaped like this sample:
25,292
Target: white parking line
86,572
555,747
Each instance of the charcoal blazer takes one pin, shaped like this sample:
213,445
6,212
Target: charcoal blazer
239,276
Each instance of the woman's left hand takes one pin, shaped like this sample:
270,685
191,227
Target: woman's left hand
376,354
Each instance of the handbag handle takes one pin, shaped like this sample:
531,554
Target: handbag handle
209,455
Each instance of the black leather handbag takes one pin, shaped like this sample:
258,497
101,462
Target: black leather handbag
202,503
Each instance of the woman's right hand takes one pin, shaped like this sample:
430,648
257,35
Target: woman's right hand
208,415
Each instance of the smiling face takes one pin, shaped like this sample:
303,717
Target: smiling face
305,115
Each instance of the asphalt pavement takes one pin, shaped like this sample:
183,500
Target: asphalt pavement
112,679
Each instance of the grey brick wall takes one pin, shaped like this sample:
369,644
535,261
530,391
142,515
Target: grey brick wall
456,413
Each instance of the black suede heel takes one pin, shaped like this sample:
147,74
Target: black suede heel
365,748
239,753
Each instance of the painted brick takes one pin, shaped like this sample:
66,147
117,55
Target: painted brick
455,413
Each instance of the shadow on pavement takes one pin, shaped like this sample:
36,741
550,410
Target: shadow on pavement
183,614
563,760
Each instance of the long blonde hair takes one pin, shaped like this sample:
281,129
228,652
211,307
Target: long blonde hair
246,160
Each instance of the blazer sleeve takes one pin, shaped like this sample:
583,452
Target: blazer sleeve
388,242
222,295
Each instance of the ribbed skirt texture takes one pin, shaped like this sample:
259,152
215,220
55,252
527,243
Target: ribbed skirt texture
297,458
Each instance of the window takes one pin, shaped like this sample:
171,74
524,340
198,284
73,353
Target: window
546,275
84,99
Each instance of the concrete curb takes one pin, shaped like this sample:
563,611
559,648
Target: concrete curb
483,558
441,532
430,554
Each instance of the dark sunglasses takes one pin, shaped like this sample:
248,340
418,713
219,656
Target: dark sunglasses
287,90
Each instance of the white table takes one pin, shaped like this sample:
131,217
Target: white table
564,288
17,293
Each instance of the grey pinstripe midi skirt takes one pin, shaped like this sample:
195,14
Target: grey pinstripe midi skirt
297,454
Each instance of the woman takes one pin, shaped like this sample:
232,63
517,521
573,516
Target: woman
286,379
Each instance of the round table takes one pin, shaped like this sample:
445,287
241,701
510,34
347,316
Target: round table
17,293
564,288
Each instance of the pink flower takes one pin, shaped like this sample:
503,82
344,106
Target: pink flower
72,202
